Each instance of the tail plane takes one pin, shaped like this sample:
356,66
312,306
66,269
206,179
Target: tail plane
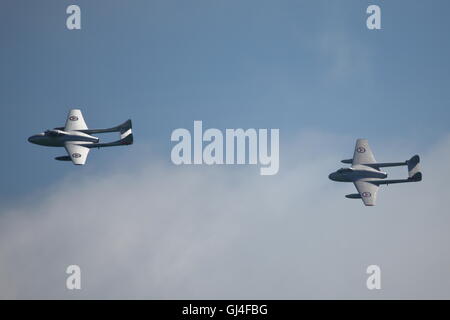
126,136
414,173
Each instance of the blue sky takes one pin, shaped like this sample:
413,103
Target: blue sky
264,64
293,65
142,227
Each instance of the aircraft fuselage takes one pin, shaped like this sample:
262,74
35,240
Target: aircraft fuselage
57,138
356,173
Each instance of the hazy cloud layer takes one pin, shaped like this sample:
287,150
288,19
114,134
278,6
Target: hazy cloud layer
161,231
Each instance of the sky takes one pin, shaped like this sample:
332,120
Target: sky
141,227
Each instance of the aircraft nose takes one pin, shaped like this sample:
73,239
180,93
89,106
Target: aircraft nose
32,139
334,176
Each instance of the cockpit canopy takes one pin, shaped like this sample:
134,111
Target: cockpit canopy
344,170
53,133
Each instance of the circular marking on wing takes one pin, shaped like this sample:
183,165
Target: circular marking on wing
366,194
361,149
76,155
73,118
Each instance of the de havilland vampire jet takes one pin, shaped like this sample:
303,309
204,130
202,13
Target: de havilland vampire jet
76,138
365,173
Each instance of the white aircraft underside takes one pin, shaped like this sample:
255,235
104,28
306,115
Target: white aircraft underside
366,175
76,138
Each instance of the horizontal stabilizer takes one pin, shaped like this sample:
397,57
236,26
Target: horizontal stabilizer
347,161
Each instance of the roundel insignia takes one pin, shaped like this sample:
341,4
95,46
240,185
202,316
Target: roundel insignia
73,118
366,194
76,155
361,149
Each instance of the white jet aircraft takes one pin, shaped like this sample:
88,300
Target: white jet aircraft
76,138
365,173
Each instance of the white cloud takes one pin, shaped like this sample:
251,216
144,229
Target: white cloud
161,231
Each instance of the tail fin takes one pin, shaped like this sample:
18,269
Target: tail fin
414,172
124,126
126,135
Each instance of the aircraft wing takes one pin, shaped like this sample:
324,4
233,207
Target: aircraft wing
78,154
75,121
362,153
368,192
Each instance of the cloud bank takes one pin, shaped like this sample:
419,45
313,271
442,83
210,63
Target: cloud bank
160,231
